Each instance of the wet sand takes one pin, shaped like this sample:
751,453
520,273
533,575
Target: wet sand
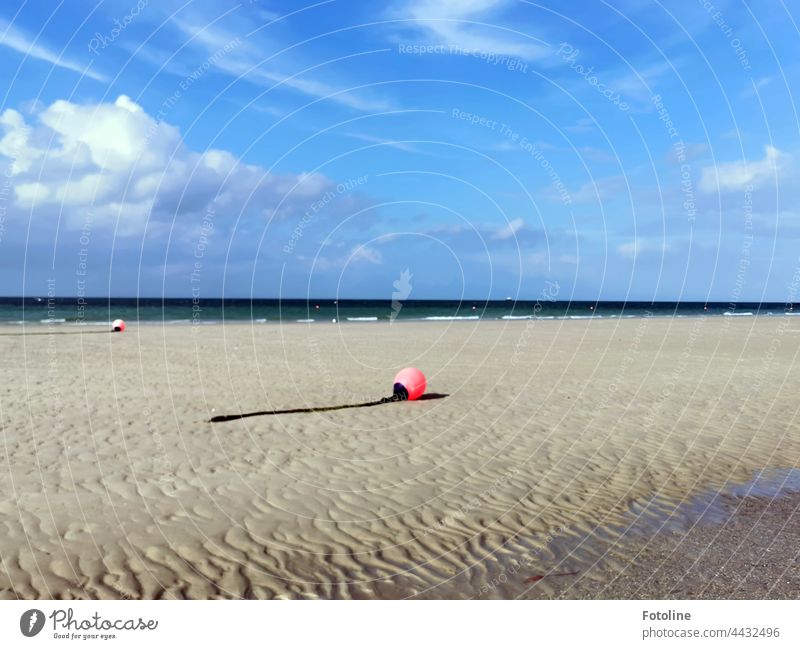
753,554
554,437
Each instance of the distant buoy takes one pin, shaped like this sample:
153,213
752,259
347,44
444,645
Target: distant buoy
333,320
118,325
409,383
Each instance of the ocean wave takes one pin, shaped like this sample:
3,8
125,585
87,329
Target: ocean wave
452,317
517,317
733,313
260,320
364,319
53,321
304,320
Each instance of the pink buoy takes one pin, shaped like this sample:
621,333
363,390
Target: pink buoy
118,325
410,381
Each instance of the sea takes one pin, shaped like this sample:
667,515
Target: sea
71,312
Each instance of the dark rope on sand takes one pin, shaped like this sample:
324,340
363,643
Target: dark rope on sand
57,333
397,396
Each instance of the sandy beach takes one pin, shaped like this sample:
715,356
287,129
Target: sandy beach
561,459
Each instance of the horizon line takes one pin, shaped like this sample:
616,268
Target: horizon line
389,299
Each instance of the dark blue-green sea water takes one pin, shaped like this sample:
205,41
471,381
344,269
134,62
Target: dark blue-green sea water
101,311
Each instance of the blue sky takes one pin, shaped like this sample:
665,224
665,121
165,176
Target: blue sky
618,150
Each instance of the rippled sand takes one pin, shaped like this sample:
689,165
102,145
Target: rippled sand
556,437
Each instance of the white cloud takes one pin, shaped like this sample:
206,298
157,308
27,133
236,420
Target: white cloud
598,190
449,23
17,40
369,255
509,230
632,249
736,176
120,163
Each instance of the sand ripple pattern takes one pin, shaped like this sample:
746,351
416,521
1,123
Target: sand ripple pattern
555,436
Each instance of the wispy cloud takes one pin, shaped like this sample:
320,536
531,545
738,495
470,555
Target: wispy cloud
599,190
19,41
738,175
246,62
640,84
509,230
636,247
319,90
582,125
365,254
468,24
595,154
755,86
402,146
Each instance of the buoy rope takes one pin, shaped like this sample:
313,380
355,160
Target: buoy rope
58,333
366,404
